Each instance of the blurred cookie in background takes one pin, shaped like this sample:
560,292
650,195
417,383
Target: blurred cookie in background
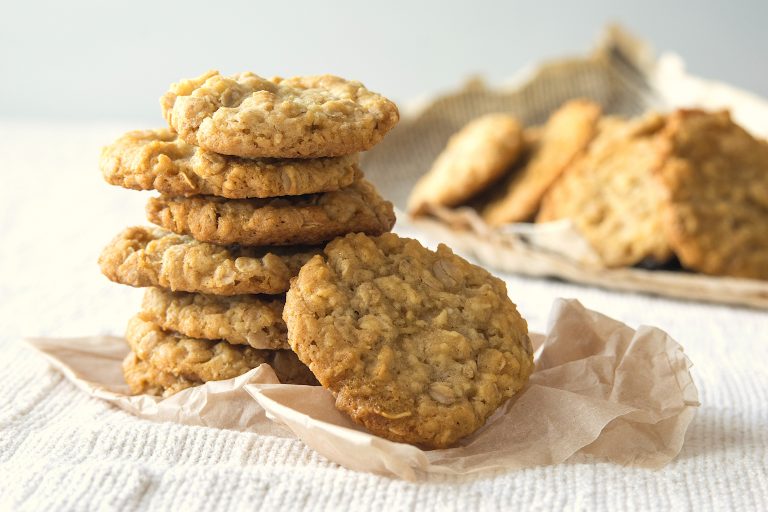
716,185
611,194
474,158
563,138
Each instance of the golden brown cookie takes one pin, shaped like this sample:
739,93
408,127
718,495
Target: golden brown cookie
563,138
716,178
309,219
254,320
476,156
159,160
417,346
144,256
204,360
144,379
300,117
611,195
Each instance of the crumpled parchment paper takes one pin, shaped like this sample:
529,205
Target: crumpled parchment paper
600,389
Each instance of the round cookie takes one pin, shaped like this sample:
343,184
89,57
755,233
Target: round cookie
716,179
145,256
417,346
563,138
254,320
144,379
300,117
611,195
204,360
159,160
475,157
309,219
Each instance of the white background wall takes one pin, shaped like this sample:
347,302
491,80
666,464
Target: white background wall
88,59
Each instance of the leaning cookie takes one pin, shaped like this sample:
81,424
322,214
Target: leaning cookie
144,256
716,179
300,117
563,138
611,195
254,320
200,360
417,346
309,219
475,157
159,160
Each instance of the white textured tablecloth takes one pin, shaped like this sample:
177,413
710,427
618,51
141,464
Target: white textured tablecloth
60,450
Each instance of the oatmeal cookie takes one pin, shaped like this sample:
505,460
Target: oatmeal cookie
144,256
716,179
300,117
611,195
159,160
203,360
306,219
144,379
254,320
475,157
563,138
417,346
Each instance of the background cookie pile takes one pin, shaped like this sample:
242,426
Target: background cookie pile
691,185
240,211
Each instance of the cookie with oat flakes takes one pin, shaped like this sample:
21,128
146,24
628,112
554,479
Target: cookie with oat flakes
200,360
301,117
417,346
308,219
144,379
145,256
159,160
254,320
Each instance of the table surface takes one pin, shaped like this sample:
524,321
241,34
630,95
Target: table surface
62,450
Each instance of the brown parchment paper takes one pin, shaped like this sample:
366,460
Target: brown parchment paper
600,389
625,78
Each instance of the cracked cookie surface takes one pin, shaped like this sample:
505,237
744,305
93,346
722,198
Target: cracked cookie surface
146,256
301,117
418,346
716,179
254,320
159,160
563,138
611,194
309,219
474,157
198,360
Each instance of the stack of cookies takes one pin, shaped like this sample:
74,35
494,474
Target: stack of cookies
254,176
690,186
